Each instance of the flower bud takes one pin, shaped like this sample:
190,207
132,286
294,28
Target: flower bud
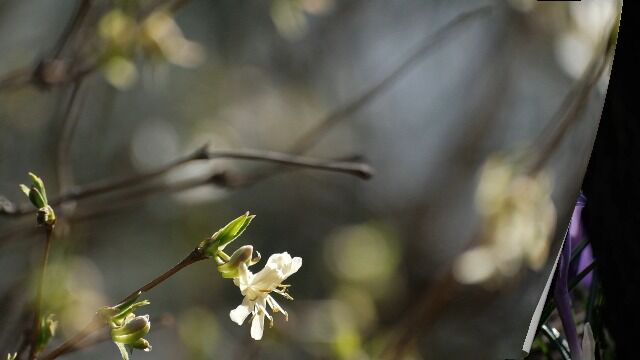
142,344
46,216
244,255
132,330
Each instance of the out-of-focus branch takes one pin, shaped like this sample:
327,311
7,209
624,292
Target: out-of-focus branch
311,137
358,169
67,130
571,108
52,70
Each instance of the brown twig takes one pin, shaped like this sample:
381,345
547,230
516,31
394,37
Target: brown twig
97,323
572,106
354,168
68,127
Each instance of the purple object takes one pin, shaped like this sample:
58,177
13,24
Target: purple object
576,236
565,270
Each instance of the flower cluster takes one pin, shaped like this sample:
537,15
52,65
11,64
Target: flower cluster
256,288
158,37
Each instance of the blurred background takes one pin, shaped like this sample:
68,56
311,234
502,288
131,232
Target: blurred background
426,92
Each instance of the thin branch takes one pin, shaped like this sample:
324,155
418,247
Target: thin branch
311,137
357,169
37,311
16,79
72,27
97,323
69,124
353,168
572,107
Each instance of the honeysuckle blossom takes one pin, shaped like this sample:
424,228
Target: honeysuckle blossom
257,288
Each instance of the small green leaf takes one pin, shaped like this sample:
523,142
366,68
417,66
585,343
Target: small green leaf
39,184
37,199
25,189
129,309
13,356
226,235
116,314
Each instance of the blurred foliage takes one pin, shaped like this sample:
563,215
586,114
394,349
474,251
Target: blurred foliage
258,74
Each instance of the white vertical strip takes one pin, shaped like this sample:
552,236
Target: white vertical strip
535,320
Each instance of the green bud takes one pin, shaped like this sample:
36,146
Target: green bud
226,235
13,356
132,330
46,216
38,197
142,344
243,255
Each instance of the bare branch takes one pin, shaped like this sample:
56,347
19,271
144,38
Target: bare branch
69,123
357,169
311,137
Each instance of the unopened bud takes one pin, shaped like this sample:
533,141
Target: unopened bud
244,255
46,216
132,330
142,344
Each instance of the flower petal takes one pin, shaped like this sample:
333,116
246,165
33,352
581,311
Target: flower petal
296,264
257,325
239,314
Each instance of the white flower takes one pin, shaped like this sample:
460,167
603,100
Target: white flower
256,289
